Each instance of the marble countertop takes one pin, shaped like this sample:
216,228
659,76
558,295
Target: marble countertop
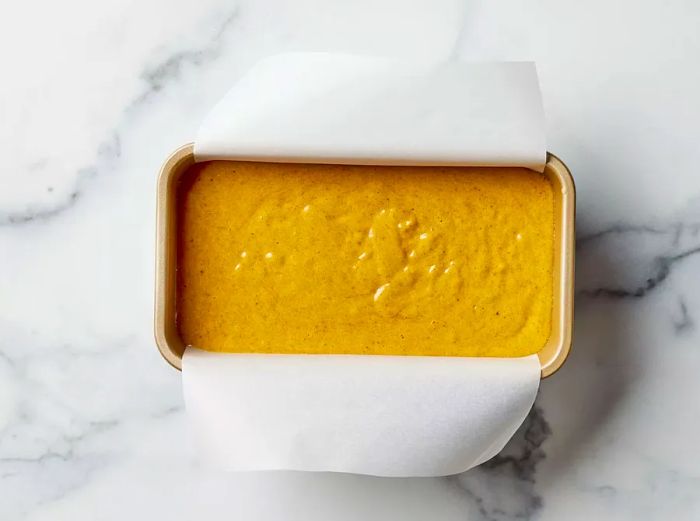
95,95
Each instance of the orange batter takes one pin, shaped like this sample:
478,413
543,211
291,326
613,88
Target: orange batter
286,258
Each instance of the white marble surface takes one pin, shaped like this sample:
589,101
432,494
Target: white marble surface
95,94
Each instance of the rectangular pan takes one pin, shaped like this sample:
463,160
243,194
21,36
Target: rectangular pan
171,346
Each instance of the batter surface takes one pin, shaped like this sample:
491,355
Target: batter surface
285,258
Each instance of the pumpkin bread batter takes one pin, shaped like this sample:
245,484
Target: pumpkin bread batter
300,258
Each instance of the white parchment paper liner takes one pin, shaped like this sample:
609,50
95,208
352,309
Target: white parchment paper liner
379,415
319,107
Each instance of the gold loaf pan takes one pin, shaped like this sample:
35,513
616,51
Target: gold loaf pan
171,346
